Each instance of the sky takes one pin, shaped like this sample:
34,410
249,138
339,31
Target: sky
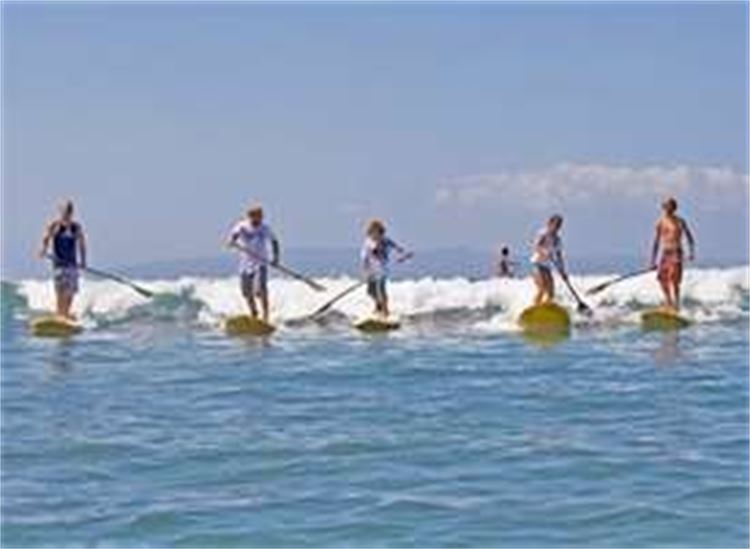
461,125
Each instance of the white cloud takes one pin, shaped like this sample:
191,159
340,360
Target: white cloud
570,183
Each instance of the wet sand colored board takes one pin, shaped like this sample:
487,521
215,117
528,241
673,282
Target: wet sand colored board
54,326
247,325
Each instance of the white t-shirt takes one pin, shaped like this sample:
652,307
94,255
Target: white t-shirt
550,245
375,256
256,240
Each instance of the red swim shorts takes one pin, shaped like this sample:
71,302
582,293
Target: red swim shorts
670,267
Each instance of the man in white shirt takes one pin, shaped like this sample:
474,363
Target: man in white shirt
253,238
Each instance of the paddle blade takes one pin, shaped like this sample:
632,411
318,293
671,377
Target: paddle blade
598,288
315,286
584,309
143,291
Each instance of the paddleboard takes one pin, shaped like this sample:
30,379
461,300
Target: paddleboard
247,325
544,319
663,319
54,326
372,325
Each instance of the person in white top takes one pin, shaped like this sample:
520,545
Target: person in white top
252,238
547,255
375,260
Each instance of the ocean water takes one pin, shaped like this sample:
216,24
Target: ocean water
152,428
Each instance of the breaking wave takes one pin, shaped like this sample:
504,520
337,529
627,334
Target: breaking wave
710,295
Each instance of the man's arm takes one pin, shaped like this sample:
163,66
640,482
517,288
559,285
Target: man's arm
402,252
655,246
82,248
560,264
275,251
231,238
690,239
45,240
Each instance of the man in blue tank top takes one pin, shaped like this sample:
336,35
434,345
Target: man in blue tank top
68,244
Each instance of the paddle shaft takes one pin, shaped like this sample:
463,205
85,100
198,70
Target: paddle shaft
111,276
581,305
281,268
605,285
337,298
350,289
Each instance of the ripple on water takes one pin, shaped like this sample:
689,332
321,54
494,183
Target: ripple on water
193,440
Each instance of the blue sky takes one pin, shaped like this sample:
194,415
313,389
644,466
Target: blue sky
460,124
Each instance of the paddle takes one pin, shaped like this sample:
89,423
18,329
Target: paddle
582,307
314,285
117,278
604,285
328,304
338,297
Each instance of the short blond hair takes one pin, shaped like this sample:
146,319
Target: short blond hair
255,208
375,225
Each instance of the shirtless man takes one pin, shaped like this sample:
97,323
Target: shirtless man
670,230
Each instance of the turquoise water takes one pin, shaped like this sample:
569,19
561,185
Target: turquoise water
154,429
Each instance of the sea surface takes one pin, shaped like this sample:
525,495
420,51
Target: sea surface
153,428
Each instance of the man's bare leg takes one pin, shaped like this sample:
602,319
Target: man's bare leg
667,291
539,296
264,305
59,305
550,288
384,307
64,302
252,307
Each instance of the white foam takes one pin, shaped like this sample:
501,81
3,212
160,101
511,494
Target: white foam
709,295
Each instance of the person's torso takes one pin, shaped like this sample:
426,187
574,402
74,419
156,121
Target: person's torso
504,267
377,255
256,241
255,238
546,245
64,244
670,234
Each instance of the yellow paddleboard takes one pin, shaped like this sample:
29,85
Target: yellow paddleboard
373,325
247,325
663,319
54,326
549,318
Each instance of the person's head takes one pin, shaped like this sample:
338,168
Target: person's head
669,205
255,214
505,251
555,222
375,229
66,210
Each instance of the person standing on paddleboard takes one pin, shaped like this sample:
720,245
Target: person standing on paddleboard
670,230
375,260
252,238
546,256
505,267
68,243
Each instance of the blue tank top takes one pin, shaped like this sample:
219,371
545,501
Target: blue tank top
64,245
